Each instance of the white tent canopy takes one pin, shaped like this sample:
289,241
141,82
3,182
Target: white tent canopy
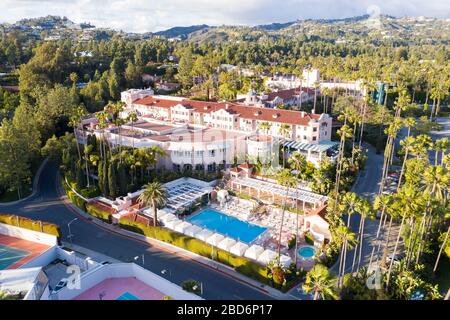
285,260
168,217
253,252
192,230
226,244
204,234
172,223
267,256
239,249
182,226
215,239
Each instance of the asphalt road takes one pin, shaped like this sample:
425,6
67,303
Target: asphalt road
47,205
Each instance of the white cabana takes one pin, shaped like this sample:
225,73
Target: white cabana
253,252
222,195
285,260
168,217
239,249
172,223
182,226
267,256
192,230
204,234
215,239
226,244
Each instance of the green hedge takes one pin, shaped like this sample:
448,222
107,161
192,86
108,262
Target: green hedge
98,213
79,202
30,224
240,264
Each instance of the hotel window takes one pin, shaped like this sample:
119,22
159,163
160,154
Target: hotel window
212,153
314,129
314,138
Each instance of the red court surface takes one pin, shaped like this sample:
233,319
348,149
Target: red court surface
113,288
35,249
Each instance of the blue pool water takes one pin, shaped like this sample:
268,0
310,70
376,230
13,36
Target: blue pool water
127,296
227,225
306,252
8,256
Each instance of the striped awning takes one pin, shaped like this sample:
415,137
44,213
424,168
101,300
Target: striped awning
319,147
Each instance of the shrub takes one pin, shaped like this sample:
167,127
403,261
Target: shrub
309,239
98,213
191,286
26,223
79,202
291,242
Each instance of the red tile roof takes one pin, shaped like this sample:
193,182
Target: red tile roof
246,112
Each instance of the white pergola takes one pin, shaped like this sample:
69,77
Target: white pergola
275,189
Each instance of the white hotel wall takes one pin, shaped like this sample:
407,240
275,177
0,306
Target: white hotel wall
122,270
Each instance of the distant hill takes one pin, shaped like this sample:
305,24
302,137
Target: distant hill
274,26
181,32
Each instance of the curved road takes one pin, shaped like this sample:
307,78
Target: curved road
47,205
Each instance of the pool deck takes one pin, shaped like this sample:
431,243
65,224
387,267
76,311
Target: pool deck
35,249
113,288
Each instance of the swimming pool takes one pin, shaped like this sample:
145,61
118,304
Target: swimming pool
127,296
227,225
307,252
9,256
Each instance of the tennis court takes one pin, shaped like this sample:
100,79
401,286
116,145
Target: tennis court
9,256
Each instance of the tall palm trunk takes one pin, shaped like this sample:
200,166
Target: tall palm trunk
361,244
395,247
440,250
281,225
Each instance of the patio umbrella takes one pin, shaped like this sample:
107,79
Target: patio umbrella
182,226
192,230
239,249
172,223
285,260
253,252
267,256
204,234
226,244
215,239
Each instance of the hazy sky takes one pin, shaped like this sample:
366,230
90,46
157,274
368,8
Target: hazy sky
155,15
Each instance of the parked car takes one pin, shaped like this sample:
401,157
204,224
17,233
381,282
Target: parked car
61,284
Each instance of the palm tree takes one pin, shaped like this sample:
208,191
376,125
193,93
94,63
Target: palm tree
365,210
319,281
408,203
347,238
442,145
298,162
345,132
284,130
382,202
436,180
154,194
74,122
132,117
407,145
440,250
286,179
409,123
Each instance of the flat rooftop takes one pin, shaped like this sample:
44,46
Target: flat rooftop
15,252
128,288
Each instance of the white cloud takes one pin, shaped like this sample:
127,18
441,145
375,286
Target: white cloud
154,15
